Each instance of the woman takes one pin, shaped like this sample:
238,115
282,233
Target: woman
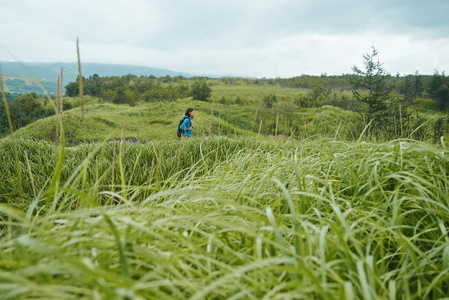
186,125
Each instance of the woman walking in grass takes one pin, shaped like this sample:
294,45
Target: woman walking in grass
186,125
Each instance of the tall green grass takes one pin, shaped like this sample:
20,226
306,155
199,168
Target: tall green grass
229,218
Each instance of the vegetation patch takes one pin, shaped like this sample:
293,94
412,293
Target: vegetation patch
223,217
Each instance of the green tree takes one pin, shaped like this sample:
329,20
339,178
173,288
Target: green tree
317,91
24,110
92,86
72,89
411,88
370,86
223,100
238,101
443,96
269,100
439,91
200,90
124,96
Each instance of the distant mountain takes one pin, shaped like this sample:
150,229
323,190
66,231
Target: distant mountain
51,71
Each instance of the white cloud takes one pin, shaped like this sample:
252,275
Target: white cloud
249,38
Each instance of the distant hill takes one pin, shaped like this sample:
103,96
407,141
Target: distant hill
48,73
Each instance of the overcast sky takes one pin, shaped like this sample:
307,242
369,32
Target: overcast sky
265,38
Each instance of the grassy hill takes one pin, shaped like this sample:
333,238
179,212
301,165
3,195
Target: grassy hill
156,121
240,107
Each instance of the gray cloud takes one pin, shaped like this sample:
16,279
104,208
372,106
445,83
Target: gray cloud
256,38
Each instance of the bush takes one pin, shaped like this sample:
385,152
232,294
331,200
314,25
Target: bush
201,91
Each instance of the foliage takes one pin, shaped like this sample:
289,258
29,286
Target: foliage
122,96
200,91
411,88
24,109
129,89
439,91
226,217
370,87
269,100
91,86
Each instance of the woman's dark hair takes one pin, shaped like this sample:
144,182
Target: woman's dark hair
188,111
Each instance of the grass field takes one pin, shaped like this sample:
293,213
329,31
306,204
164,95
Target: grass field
310,208
224,218
158,121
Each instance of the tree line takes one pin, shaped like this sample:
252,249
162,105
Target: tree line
130,89
324,89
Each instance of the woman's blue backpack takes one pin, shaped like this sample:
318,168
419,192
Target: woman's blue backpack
180,131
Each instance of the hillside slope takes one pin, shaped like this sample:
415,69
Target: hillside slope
158,121
104,121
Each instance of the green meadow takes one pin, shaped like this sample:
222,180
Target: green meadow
280,202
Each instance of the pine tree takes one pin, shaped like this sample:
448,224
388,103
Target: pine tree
370,86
